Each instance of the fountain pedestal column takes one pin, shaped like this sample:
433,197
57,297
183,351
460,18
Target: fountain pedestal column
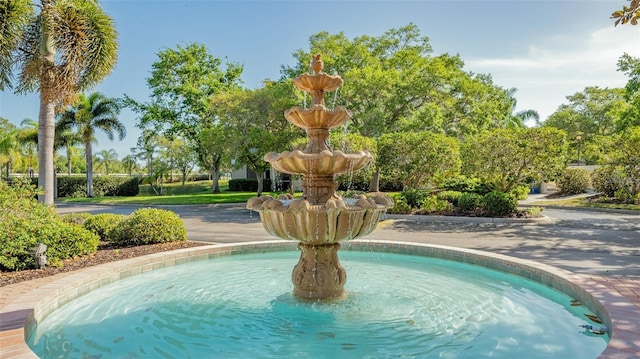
318,273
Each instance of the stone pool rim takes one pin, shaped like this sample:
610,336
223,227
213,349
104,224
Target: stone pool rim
19,317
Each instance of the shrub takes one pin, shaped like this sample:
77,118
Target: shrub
432,204
76,217
248,185
469,201
414,197
25,223
463,183
149,225
520,192
608,180
103,223
499,204
574,180
400,205
450,196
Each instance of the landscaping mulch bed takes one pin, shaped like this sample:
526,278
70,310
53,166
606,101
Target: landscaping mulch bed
106,253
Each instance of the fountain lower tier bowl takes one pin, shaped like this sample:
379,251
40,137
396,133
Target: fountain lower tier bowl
337,220
317,116
325,163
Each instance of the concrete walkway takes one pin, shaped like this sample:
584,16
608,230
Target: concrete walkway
603,247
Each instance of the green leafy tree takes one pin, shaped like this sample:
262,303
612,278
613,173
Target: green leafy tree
182,82
508,158
257,123
630,66
517,119
392,83
627,155
589,116
628,14
214,151
65,47
87,115
419,159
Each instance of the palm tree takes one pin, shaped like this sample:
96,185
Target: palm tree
64,48
129,161
67,139
8,141
87,115
518,119
107,157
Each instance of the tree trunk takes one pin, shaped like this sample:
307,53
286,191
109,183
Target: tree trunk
89,160
215,175
46,132
68,162
260,183
374,185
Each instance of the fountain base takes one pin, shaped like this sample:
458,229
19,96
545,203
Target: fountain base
318,274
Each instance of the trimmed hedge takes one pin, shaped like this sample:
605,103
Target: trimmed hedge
102,186
248,185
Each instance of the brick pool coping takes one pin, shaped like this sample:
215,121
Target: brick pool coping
20,314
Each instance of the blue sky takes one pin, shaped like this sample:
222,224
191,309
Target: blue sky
547,49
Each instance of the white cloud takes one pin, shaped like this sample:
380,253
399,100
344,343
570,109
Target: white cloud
562,66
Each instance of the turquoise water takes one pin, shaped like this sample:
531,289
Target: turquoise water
241,306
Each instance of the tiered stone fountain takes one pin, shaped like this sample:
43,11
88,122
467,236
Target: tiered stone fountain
321,218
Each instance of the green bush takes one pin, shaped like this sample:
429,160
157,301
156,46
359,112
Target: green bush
574,180
520,192
463,183
469,201
25,223
76,217
103,223
608,180
432,204
414,197
149,225
400,205
450,196
499,204
248,185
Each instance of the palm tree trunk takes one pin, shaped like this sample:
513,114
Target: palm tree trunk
46,132
89,159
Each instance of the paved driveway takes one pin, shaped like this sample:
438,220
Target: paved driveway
589,242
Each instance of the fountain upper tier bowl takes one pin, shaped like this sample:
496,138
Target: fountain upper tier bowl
325,163
317,82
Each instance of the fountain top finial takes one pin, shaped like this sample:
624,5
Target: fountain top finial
316,63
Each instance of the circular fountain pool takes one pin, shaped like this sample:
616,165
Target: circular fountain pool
397,306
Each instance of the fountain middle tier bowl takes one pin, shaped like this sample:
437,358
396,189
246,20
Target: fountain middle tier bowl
337,220
318,116
325,163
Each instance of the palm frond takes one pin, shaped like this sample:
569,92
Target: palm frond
15,15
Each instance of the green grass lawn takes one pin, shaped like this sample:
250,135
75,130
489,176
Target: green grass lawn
176,194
